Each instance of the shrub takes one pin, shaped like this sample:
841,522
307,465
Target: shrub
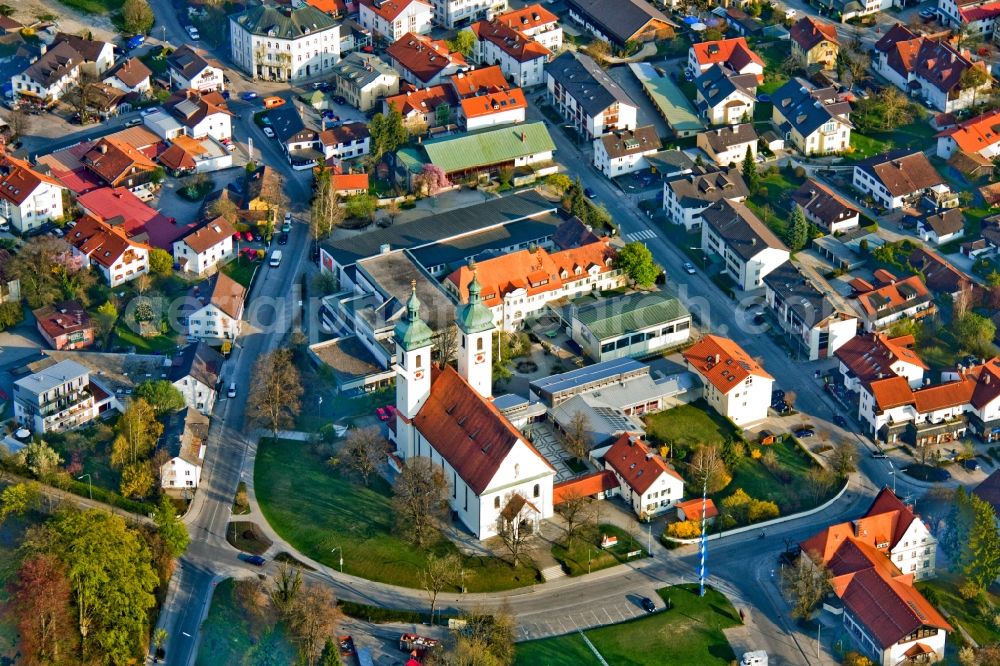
685,529
762,191
800,172
762,510
756,454
968,590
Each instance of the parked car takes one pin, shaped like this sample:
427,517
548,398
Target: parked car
589,193
689,268
840,420
647,604
971,464
287,226
879,455
777,394
255,560
132,122
268,132
135,41
193,32
339,99
248,95
927,14
803,433
147,111
282,238
231,393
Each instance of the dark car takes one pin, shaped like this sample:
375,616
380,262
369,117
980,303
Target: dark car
589,193
339,99
879,455
247,96
258,237
971,464
802,433
777,394
283,238
255,560
840,420
647,604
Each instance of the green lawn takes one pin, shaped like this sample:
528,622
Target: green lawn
126,337
917,135
241,270
690,632
865,146
585,554
228,637
792,493
689,425
943,593
316,509
102,7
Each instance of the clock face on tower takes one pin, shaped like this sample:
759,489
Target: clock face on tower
480,358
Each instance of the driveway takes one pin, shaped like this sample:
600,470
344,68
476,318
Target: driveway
647,114
18,345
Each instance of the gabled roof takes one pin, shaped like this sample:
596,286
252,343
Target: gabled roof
363,69
341,182
692,508
528,18
423,56
811,307
130,72
200,362
976,134
703,186
100,241
584,486
479,81
90,49
57,62
735,52
190,107
820,202
989,490
890,392
583,80
467,430
721,81
807,108
52,377
390,9
62,318
722,362
208,234
19,180
508,39
740,229
619,20
901,294
940,274
139,220
344,135
949,221
112,159
807,32
615,317
631,142
871,356
184,434
189,61
494,102
942,65
636,464
902,172
721,139
488,147
227,294
425,100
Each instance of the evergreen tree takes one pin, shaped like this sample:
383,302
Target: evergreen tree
982,550
798,231
750,174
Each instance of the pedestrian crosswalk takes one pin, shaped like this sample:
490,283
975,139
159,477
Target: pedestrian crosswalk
645,234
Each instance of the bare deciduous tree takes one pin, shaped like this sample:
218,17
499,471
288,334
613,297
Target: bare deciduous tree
806,582
708,468
577,437
20,123
275,391
577,511
447,345
314,616
512,526
285,588
439,574
420,500
252,596
364,451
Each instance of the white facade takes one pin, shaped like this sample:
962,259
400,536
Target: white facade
55,399
179,473
928,235
347,151
729,110
22,84
522,74
204,262
660,497
416,17
210,323
43,205
209,79
275,59
743,404
196,395
623,164
869,184
481,121
732,154
616,116
219,126
143,87
455,13
748,273
129,265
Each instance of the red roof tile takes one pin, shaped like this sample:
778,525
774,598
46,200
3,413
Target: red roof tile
477,81
101,242
807,32
19,180
977,133
511,41
634,462
871,355
423,56
584,486
140,221
692,508
891,392
349,181
422,101
734,51
497,102
722,362
528,18
62,318
390,9
890,296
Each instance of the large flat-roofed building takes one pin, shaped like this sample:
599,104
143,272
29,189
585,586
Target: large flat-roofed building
637,324
55,399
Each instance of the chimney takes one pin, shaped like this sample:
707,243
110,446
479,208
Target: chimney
104,149
523,136
718,358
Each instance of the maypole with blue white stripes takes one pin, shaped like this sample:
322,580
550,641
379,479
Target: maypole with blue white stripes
703,571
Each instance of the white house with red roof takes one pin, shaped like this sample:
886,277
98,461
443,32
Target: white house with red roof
217,309
976,136
423,61
391,19
536,22
456,13
496,478
28,198
140,222
521,58
203,248
735,53
873,561
735,385
645,480
871,356
107,248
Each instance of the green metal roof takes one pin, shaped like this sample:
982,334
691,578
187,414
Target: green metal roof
411,331
670,100
283,22
633,312
488,147
411,158
474,317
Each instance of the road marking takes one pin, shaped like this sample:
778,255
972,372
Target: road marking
186,634
645,234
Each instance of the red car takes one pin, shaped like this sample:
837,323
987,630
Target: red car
248,236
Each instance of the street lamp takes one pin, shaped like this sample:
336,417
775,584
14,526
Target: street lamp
90,485
892,473
341,557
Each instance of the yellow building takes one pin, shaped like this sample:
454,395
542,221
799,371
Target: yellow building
814,43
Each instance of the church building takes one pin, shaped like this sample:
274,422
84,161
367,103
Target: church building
448,416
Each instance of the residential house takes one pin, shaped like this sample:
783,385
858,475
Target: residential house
184,439
218,310
520,57
496,476
811,319
299,141
454,14
284,42
898,178
349,184
872,356
735,385
202,249
118,164
619,153
28,197
587,97
341,144
56,399
201,114
48,78
687,195
423,61
977,136
817,121
97,56
621,22
927,67
189,68
119,206
728,146
195,373
65,325
734,53
725,97
873,562
637,325
595,485
391,19
825,208
424,109
903,299
364,79
815,42
186,155
745,245
130,76
741,23
536,22
646,481
942,227
519,285
485,151
490,109
697,509
108,248
940,276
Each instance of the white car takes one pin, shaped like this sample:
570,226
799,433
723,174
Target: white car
147,111
232,390
268,132
193,32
